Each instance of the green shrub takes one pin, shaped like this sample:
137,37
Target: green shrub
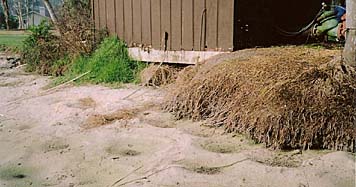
110,63
41,49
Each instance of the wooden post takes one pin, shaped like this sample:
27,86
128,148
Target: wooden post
350,45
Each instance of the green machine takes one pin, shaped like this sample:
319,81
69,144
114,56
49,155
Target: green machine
330,23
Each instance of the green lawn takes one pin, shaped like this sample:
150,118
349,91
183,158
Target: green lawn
12,40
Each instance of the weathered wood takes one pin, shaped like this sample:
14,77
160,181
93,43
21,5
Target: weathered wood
128,22
166,29
146,23
137,22
176,22
350,45
111,16
120,26
212,24
156,23
187,25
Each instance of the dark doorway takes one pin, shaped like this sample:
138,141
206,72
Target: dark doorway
257,22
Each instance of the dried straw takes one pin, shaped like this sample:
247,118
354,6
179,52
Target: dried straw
286,97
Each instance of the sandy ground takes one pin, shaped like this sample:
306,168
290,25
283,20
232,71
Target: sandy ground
45,141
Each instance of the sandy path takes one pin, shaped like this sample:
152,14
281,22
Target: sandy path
43,142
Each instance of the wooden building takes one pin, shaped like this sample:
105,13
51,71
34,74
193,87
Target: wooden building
190,31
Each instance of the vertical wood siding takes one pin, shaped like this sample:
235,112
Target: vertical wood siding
199,25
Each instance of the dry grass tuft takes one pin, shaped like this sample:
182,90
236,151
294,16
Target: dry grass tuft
99,120
288,98
155,75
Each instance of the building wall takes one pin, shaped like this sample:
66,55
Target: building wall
173,25
35,19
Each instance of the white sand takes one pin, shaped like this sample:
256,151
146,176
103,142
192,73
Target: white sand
42,143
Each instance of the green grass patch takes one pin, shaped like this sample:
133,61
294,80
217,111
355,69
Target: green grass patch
12,40
109,64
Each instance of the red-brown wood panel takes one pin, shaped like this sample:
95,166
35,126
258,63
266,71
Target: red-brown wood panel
96,14
156,23
212,24
102,13
111,16
137,21
166,24
128,21
199,26
187,25
176,21
146,22
226,24
120,26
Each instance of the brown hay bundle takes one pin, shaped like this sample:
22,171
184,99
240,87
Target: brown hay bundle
284,97
159,75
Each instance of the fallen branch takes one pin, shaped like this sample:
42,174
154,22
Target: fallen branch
70,81
127,175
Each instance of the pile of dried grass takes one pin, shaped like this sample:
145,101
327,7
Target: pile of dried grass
284,97
159,75
98,120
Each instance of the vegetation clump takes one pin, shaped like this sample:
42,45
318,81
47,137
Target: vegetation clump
78,49
109,63
288,98
41,48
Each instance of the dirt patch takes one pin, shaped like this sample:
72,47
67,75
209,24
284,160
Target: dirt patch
12,173
131,147
226,144
87,102
286,97
122,152
207,170
158,119
198,129
16,175
55,145
11,84
290,159
199,168
83,103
